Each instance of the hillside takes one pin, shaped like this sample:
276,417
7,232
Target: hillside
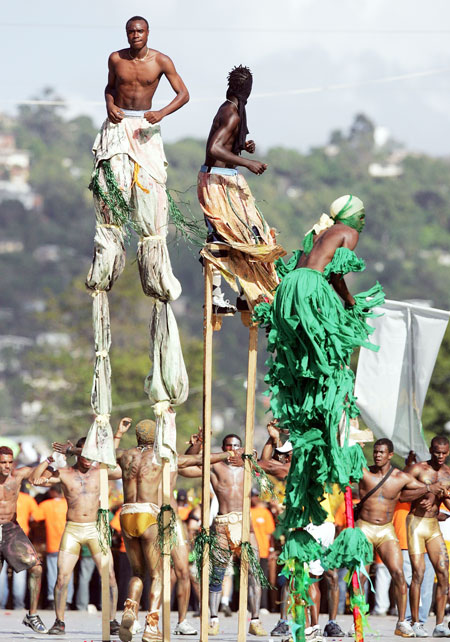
45,313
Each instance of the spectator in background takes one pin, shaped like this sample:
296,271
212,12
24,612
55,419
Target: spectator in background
26,506
263,526
183,506
53,512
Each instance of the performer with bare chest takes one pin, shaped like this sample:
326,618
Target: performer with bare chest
142,476
227,480
81,488
382,486
15,547
424,534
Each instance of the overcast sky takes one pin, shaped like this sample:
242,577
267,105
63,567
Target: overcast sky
320,61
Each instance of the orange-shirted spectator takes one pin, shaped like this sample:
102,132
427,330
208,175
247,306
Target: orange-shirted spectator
183,506
53,512
263,525
26,505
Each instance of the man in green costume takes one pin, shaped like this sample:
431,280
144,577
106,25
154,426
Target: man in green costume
315,324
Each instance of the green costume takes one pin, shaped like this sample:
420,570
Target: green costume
312,337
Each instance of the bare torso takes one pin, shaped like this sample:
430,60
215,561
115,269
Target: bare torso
82,492
228,484
379,508
425,473
9,492
226,115
135,81
325,245
141,477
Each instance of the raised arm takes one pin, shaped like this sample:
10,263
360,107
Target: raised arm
177,84
122,428
41,475
272,442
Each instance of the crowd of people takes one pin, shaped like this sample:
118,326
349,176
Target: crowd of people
53,536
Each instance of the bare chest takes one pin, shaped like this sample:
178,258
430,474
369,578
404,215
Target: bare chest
9,490
145,74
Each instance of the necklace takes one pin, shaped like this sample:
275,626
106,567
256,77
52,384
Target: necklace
233,103
136,58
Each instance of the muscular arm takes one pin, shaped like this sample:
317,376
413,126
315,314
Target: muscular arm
189,461
115,114
414,489
275,468
177,84
219,142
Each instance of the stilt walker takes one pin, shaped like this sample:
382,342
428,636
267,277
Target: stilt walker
312,337
128,184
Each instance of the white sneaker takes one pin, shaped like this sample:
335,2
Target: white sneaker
404,629
184,628
136,628
419,630
441,631
313,634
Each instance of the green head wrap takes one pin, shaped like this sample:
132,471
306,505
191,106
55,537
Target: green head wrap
349,210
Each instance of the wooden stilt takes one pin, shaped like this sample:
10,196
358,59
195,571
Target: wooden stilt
166,556
249,431
104,505
207,391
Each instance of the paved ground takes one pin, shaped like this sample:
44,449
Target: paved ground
86,627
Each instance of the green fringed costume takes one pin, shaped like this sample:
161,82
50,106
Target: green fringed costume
312,336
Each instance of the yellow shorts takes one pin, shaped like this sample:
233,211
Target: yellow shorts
420,531
377,534
76,534
135,518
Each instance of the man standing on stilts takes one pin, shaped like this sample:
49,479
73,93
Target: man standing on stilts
231,214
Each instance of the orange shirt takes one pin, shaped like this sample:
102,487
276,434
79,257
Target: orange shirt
263,525
26,505
54,512
183,512
115,523
339,516
399,520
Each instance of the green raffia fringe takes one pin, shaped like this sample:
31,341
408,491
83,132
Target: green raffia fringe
190,230
103,530
218,556
113,198
167,530
254,567
260,477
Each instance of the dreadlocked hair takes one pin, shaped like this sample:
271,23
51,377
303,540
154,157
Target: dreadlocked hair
238,79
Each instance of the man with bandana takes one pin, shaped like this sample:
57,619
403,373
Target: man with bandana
231,214
228,484
142,477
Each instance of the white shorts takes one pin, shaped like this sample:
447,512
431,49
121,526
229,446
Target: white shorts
324,534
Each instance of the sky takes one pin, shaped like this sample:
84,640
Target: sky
316,63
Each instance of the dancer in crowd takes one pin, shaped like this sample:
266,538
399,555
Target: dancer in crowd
142,477
81,487
15,547
228,484
231,214
424,535
380,489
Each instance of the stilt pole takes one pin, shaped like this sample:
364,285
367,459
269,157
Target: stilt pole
359,632
206,468
104,505
166,551
249,431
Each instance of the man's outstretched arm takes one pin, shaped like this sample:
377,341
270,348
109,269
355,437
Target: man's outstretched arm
414,489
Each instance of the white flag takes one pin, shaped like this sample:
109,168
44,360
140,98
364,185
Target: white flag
391,384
